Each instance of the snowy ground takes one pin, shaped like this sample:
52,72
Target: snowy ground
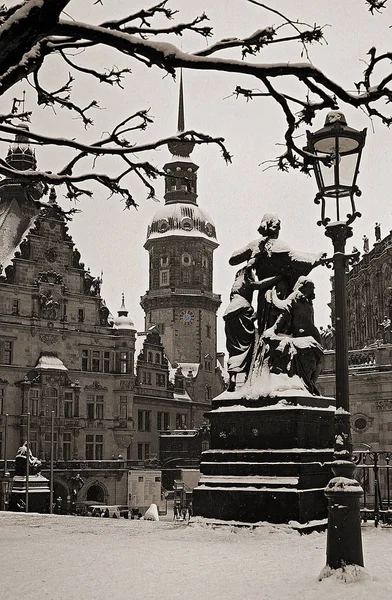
69,558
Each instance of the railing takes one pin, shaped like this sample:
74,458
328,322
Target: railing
374,475
361,358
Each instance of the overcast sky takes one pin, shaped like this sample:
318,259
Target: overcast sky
235,196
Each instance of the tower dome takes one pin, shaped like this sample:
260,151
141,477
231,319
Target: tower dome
20,155
181,215
122,321
181,219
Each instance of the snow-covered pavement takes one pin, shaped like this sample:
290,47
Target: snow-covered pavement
73,558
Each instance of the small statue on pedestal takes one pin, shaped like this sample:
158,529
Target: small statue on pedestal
20,462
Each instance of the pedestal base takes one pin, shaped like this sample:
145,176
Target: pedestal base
267,461
39,494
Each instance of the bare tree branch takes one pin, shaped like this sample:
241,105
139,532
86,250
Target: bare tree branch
34,30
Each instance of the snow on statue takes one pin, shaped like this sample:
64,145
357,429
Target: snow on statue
20,462
285,352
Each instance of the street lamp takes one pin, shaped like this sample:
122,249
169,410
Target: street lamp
338,149
6,479
6,486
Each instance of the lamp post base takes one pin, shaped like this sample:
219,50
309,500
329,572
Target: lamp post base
344,541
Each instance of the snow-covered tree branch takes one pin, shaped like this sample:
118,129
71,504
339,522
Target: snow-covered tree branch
33,31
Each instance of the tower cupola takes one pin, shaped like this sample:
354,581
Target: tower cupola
122,321
181,179
20,155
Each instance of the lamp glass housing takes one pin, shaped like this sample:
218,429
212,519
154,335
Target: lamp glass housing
341,146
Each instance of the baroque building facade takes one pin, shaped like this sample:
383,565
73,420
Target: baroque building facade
70,365
369,313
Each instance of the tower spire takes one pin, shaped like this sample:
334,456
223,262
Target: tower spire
181,114
181,148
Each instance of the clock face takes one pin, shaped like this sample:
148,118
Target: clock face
187,317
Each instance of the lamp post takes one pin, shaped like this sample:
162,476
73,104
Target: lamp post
338,149
6,480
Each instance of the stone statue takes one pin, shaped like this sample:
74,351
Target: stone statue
269,258
48,306
377,232
103,314
293,342
20,462
386,330
271,264
365,244
328,337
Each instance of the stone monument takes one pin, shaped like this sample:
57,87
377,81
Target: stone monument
271,438
38,485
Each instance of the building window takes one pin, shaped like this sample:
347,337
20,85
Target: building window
34,402
33,445
6,352
123,407
208,331
2,396
164,261
51,401
207,365
205,445
81,315
15,307
205,262
96,361
144,420
47,445
186,259
94,406
161,380
124,362
164,277
158,358
68,405
143,452
106,362
185,276
129,452
67,445
163,421
208,392
94,446
180,421
146,378
149,357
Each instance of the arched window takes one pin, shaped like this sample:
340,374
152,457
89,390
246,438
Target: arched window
157,358
149,357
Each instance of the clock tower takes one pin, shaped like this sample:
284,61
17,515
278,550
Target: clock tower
181,240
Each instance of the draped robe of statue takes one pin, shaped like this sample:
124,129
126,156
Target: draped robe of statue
239,325
271,257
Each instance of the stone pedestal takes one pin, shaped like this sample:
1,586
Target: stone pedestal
267,459
39,493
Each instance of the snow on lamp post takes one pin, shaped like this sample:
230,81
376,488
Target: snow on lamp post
338,149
